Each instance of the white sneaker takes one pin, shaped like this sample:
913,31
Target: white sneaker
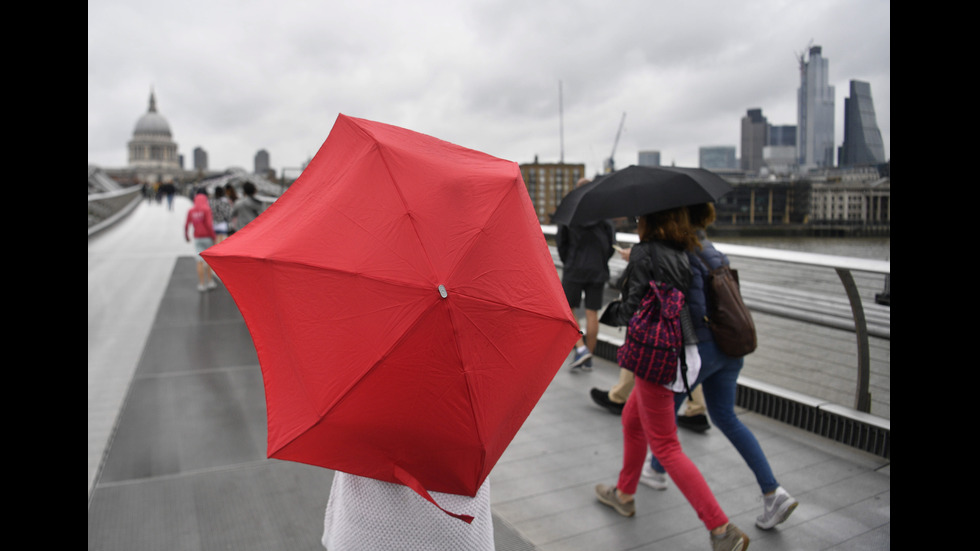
653,479
201,287
212,284
776,509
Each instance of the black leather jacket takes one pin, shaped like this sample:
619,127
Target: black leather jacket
651,260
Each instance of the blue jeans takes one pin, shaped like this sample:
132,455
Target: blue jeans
718,377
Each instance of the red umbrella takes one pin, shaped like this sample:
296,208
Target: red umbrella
405,309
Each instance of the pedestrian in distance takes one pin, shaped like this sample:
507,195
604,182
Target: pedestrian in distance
221,212
170,190
718,378
231,193
247,208
199,216
649,416
585,251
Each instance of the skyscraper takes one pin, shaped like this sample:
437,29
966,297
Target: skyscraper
262,162
815,113
200,159
754,130
862,139
649,158
782,135
720,157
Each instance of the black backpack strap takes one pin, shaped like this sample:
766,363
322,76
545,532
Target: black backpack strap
687,385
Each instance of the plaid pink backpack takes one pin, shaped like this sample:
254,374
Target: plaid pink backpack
654,341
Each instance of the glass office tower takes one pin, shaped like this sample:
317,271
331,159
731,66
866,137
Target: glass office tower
862,139
815,113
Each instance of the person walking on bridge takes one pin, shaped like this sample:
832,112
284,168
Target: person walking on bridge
199,216
585,252
221,212
247,208
649,417
718,378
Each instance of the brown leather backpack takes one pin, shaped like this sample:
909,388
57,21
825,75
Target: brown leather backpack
728,318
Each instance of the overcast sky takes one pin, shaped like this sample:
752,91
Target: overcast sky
237,76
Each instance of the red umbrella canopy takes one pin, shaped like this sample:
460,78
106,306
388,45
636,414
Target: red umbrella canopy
405,309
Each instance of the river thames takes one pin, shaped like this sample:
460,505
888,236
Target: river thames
872,248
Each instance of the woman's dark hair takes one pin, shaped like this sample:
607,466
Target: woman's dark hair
232,194
219,192
672,226
702,215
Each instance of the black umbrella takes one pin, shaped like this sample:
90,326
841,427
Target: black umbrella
637,190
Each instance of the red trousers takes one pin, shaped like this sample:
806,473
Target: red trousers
649,417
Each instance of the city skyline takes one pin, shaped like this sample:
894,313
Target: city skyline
482,76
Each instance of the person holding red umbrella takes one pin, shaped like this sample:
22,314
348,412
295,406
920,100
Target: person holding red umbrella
407,317
649,416
364,513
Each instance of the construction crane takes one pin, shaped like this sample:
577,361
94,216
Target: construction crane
610,164
801,57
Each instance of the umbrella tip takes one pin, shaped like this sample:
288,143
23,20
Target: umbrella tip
442,291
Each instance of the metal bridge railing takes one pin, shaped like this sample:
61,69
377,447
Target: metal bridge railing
805,308
104,209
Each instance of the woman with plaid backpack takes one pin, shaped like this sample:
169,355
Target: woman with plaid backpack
649,416
719,378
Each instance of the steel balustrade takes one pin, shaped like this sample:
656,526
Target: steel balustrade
842,265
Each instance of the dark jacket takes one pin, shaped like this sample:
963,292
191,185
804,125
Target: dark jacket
585,251
697,299
651,261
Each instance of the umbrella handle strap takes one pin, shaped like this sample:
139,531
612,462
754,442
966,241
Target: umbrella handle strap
408,480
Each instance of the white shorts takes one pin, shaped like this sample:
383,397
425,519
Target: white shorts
202,243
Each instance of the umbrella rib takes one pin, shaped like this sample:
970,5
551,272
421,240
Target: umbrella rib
401,197
346,392
342,396
391,250
381,359
471,395
472,242
313,266
469,388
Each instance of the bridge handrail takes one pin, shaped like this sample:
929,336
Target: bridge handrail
105,209
113,194
843,265
780,255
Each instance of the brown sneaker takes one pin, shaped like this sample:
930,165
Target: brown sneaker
732,540
607,495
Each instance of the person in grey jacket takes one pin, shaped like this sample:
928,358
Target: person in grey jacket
247,208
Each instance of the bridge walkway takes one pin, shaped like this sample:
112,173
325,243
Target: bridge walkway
177,438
